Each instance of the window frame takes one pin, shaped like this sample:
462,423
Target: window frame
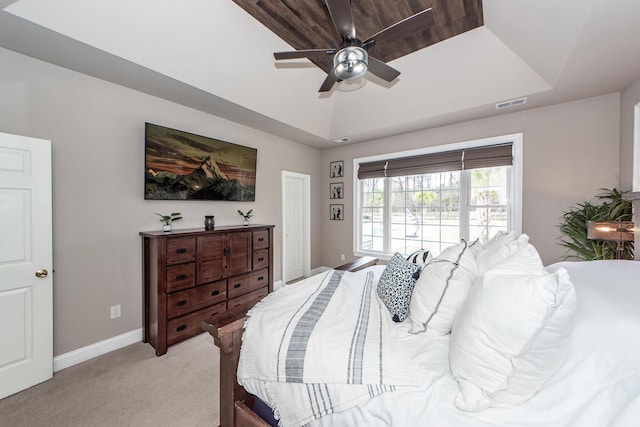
514,185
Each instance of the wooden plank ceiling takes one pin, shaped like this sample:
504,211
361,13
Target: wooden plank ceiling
306,24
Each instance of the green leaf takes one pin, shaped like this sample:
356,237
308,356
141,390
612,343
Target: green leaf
612,207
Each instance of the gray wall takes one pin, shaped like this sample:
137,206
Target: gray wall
97,129
628,151
628,99
97,134
570,151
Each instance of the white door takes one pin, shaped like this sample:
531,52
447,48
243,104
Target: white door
26,279
294,227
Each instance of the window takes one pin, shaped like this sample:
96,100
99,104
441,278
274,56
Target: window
434,197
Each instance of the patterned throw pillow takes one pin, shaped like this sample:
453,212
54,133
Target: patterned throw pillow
419,257
396,286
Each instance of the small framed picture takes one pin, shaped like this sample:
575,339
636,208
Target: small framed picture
335,190
336,212
336,169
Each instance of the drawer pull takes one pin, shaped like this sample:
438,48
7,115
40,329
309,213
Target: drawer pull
181,328
181,303
181,251
261,239
181,276
237,285
260,259
260,278
214,293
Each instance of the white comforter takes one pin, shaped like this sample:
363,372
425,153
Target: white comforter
313,357
598,384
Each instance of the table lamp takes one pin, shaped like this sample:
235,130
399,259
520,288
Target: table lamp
615,231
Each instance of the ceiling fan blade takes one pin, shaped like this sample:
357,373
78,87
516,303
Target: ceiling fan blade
407,27
340,11
305,53
382,70
328,82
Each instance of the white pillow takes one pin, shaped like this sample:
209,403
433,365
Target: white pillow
498,249
442,287
523,258
499,239
510,336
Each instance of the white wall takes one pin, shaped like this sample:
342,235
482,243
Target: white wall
571,150
97,134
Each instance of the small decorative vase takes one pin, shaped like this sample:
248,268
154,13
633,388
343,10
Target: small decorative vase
209,222
245,222
166,227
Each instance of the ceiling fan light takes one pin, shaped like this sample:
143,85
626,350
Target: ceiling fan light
350,63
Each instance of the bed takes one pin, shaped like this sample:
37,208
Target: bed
508,342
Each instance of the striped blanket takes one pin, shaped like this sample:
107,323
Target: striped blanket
321,346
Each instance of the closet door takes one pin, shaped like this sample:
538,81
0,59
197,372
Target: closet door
26,263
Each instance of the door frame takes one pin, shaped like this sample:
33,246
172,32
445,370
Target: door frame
306,258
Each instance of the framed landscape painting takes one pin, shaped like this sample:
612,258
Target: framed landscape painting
184,166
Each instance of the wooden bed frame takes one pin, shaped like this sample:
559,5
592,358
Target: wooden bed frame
236,404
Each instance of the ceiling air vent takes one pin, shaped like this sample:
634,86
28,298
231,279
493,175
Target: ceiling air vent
342,139
512,103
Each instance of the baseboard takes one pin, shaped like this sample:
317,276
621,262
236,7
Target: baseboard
94,350
319,270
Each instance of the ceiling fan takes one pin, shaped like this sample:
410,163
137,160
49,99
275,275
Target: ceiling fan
350,58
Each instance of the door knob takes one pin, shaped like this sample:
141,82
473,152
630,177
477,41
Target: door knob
41,274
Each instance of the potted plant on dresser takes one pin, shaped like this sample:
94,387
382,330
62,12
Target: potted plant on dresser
246,216
168,219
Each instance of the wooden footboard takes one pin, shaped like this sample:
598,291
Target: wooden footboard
236,405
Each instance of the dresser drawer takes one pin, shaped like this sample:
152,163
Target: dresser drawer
260,259
181,276
189,300
247,282
180,250
247,300
260,239
189,325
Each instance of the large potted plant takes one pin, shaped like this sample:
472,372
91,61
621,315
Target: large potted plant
610,205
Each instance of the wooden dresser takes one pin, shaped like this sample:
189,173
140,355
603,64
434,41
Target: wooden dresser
196,275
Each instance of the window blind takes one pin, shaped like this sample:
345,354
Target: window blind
470,158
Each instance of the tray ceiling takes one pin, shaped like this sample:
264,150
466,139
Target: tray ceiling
306,24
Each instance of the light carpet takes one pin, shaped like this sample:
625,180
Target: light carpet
127,387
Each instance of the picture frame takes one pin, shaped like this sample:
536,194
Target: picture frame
184,166
336,169
336,212
336,190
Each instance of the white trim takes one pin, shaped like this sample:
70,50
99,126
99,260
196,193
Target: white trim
94,350
306,261
516,191
320,269
635,171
